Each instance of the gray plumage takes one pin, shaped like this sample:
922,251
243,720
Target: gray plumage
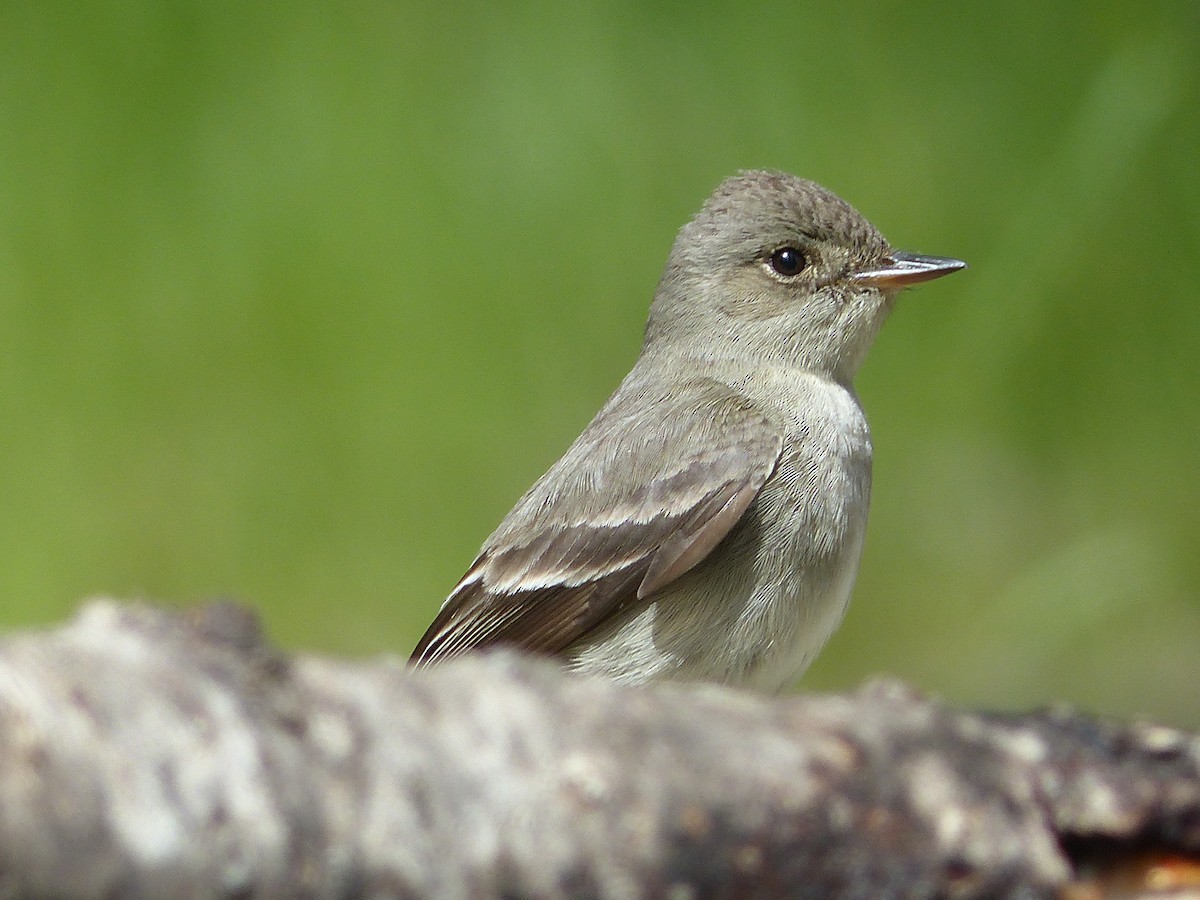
708,523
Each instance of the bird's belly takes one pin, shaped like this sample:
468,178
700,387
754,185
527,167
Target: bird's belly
791,617
802,542
759,609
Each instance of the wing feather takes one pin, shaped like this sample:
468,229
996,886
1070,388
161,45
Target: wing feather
645,494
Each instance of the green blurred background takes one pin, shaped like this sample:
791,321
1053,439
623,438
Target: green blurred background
297,298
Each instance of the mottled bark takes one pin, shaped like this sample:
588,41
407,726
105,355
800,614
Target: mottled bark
145,753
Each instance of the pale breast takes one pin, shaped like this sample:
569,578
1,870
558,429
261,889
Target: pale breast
812,517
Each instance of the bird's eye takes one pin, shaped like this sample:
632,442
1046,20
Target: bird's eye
788,261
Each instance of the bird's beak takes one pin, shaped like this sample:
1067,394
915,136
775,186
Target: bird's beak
900,270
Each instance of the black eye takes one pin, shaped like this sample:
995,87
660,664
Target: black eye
788,261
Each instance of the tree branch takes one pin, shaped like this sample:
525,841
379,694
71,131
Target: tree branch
145,753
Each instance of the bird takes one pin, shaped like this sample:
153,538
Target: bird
707,525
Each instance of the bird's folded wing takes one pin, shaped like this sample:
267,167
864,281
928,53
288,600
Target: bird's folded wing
645,493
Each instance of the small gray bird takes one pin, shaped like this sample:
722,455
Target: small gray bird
708,523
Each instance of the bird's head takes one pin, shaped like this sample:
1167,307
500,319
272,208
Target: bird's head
777,268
